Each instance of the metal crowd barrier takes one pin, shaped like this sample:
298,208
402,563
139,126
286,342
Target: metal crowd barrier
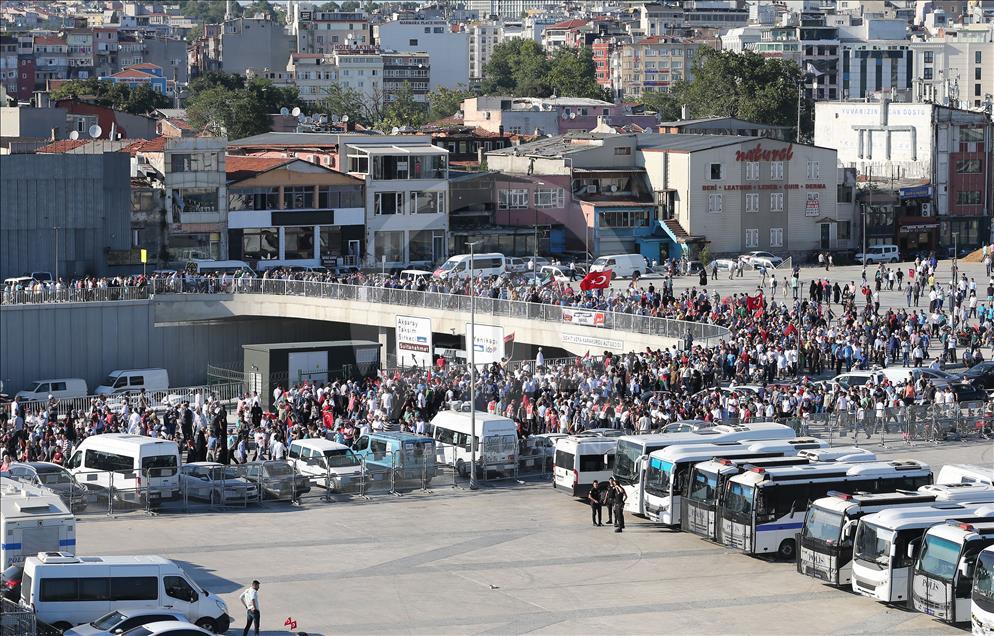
157,400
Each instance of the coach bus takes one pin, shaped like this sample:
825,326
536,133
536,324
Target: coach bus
763,509
632,454
943,575
982,599
825,550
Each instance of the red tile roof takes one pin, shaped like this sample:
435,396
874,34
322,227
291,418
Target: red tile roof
239,167
569,24
157,144
145,65
130,73
48,40
61,146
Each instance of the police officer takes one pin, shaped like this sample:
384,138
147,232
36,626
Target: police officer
594,497
619,505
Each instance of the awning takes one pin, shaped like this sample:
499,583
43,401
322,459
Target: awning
421,149
824,219
917,227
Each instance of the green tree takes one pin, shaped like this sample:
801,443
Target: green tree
342,100
238,112
138,101
207,11
265,8
572,73
445,102
403,110
328,6
213,79
666,104
518,67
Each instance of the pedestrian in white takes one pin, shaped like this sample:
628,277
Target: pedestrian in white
250,599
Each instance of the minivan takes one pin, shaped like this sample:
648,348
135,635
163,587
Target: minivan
879,254
59,388
411,456
621,265
133,381
123,465
326,463
484,265
66,590
497,448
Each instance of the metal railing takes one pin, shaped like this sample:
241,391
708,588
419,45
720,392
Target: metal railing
51,295
157,400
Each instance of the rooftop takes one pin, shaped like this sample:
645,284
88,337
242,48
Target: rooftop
63,145
558,146
690,143
568,24
238,167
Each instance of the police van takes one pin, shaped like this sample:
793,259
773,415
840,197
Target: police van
33,519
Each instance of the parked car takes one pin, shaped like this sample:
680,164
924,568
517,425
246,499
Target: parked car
966,392
120,621
516,264
216,483
694,267
879,254
539,451
10,582
981,375
684,426
277,479
601,432
55,478
769,259
621,265
723,264
166,628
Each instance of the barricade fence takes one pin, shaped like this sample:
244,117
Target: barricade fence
160,400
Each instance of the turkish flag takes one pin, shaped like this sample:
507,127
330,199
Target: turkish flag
754,302
596,280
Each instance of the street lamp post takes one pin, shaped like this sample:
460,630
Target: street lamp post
955,254
56,228
473,485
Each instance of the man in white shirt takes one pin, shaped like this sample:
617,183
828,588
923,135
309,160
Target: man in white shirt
250,599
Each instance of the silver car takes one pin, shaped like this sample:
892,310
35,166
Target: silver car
216,483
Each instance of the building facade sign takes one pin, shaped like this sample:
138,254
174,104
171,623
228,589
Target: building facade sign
593,342
758,153
583,317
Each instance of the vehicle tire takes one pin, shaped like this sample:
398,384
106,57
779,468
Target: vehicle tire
893,260
787,550
208,624
461,468
62,626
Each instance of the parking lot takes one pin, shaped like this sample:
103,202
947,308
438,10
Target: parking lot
508,559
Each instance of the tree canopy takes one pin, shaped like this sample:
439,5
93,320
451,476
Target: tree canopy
138,101
445,102
207,11
521,68
228,105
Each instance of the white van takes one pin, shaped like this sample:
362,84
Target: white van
133,381
621,265
496,451
210,266
325,463
484,265
582,460
59,388
965,474
879,254
33,519
67,590
124,465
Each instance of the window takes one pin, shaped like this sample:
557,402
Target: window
58,590
752,202
421,245
94,589
968,197
752,171
714,203
512,199
776,202
927,73
412,42
968,166
298,242
339,197
178,587
776,170
359,164
297,197
624,218
814,170
977,57
427,202
714,170
776,237
550,197
388,203
622,151
193,162
976,74
101,460
260,244
929,57
195,200
134,588
844,230
389,245
752,238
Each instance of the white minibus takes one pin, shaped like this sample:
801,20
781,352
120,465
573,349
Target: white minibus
125,465
943,573
763,509
580,461
66,590
325,463
484,265
886,543
633,451
496,448
825,550
33,519
133,381
621,265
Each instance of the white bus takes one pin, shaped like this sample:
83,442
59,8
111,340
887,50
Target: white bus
825,550
33,519
580,461
633,451
122,465
666,479
886,543
965,474
699,507
763,509
982,599
943,574
496,443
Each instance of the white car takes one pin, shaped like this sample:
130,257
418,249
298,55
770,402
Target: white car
166,628
879,254
515,264
538,451
751,258
216,483
120,621
723,264
685,426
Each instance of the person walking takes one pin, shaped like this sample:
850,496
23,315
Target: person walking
619,505
250,599
607,500
594,497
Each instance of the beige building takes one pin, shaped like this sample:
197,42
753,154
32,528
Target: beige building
654,63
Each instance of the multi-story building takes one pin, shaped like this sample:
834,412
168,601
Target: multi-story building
956,69
322,31
448,49
607,62
814,47
81,55
105,50
240,44
9,64
413,69
568,33
26,73
360,68
51,58
483,37
130,50
508,9
141,75
654,63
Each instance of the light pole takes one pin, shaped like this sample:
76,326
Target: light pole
955,254
56,228
472,366
864,236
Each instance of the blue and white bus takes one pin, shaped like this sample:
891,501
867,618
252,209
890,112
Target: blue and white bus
763,509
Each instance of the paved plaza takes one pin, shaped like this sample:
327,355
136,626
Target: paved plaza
509,559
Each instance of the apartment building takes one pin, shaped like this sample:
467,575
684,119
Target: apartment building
411,68
51,58
654,63
322,31
483,37
447,49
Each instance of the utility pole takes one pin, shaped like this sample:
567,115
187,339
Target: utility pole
56,228
471,344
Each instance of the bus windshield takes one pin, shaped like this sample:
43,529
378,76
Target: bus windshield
702,486
822,525
657,477
872,544
983,577
624,461
939,557
738,498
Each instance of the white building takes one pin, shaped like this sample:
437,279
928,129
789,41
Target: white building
448,50
483,37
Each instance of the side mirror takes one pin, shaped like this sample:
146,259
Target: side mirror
964,569
911,550
848,529
893,550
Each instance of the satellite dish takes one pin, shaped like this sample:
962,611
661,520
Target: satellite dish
74,134
322,119
284,111
300,117
572,115
335,119
565,115
345,118
95,131
296,111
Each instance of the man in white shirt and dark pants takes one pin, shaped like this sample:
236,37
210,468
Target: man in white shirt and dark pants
250,599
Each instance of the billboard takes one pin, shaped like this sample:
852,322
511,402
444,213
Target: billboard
583,317
488,343
413,337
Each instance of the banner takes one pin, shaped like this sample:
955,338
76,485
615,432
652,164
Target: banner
488,343
413,338
583,317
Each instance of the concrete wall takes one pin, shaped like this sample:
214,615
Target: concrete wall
87,340
33,122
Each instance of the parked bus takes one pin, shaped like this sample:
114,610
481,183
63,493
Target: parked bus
699,508
965,474
33,519
579,461
633,451
825,550
943,574
886,544
982,599
763,509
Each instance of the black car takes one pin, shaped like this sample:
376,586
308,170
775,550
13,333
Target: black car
277,479
55,478
981,375
10,582
967,392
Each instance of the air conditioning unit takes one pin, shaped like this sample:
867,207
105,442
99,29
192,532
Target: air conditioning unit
926,209
592,189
